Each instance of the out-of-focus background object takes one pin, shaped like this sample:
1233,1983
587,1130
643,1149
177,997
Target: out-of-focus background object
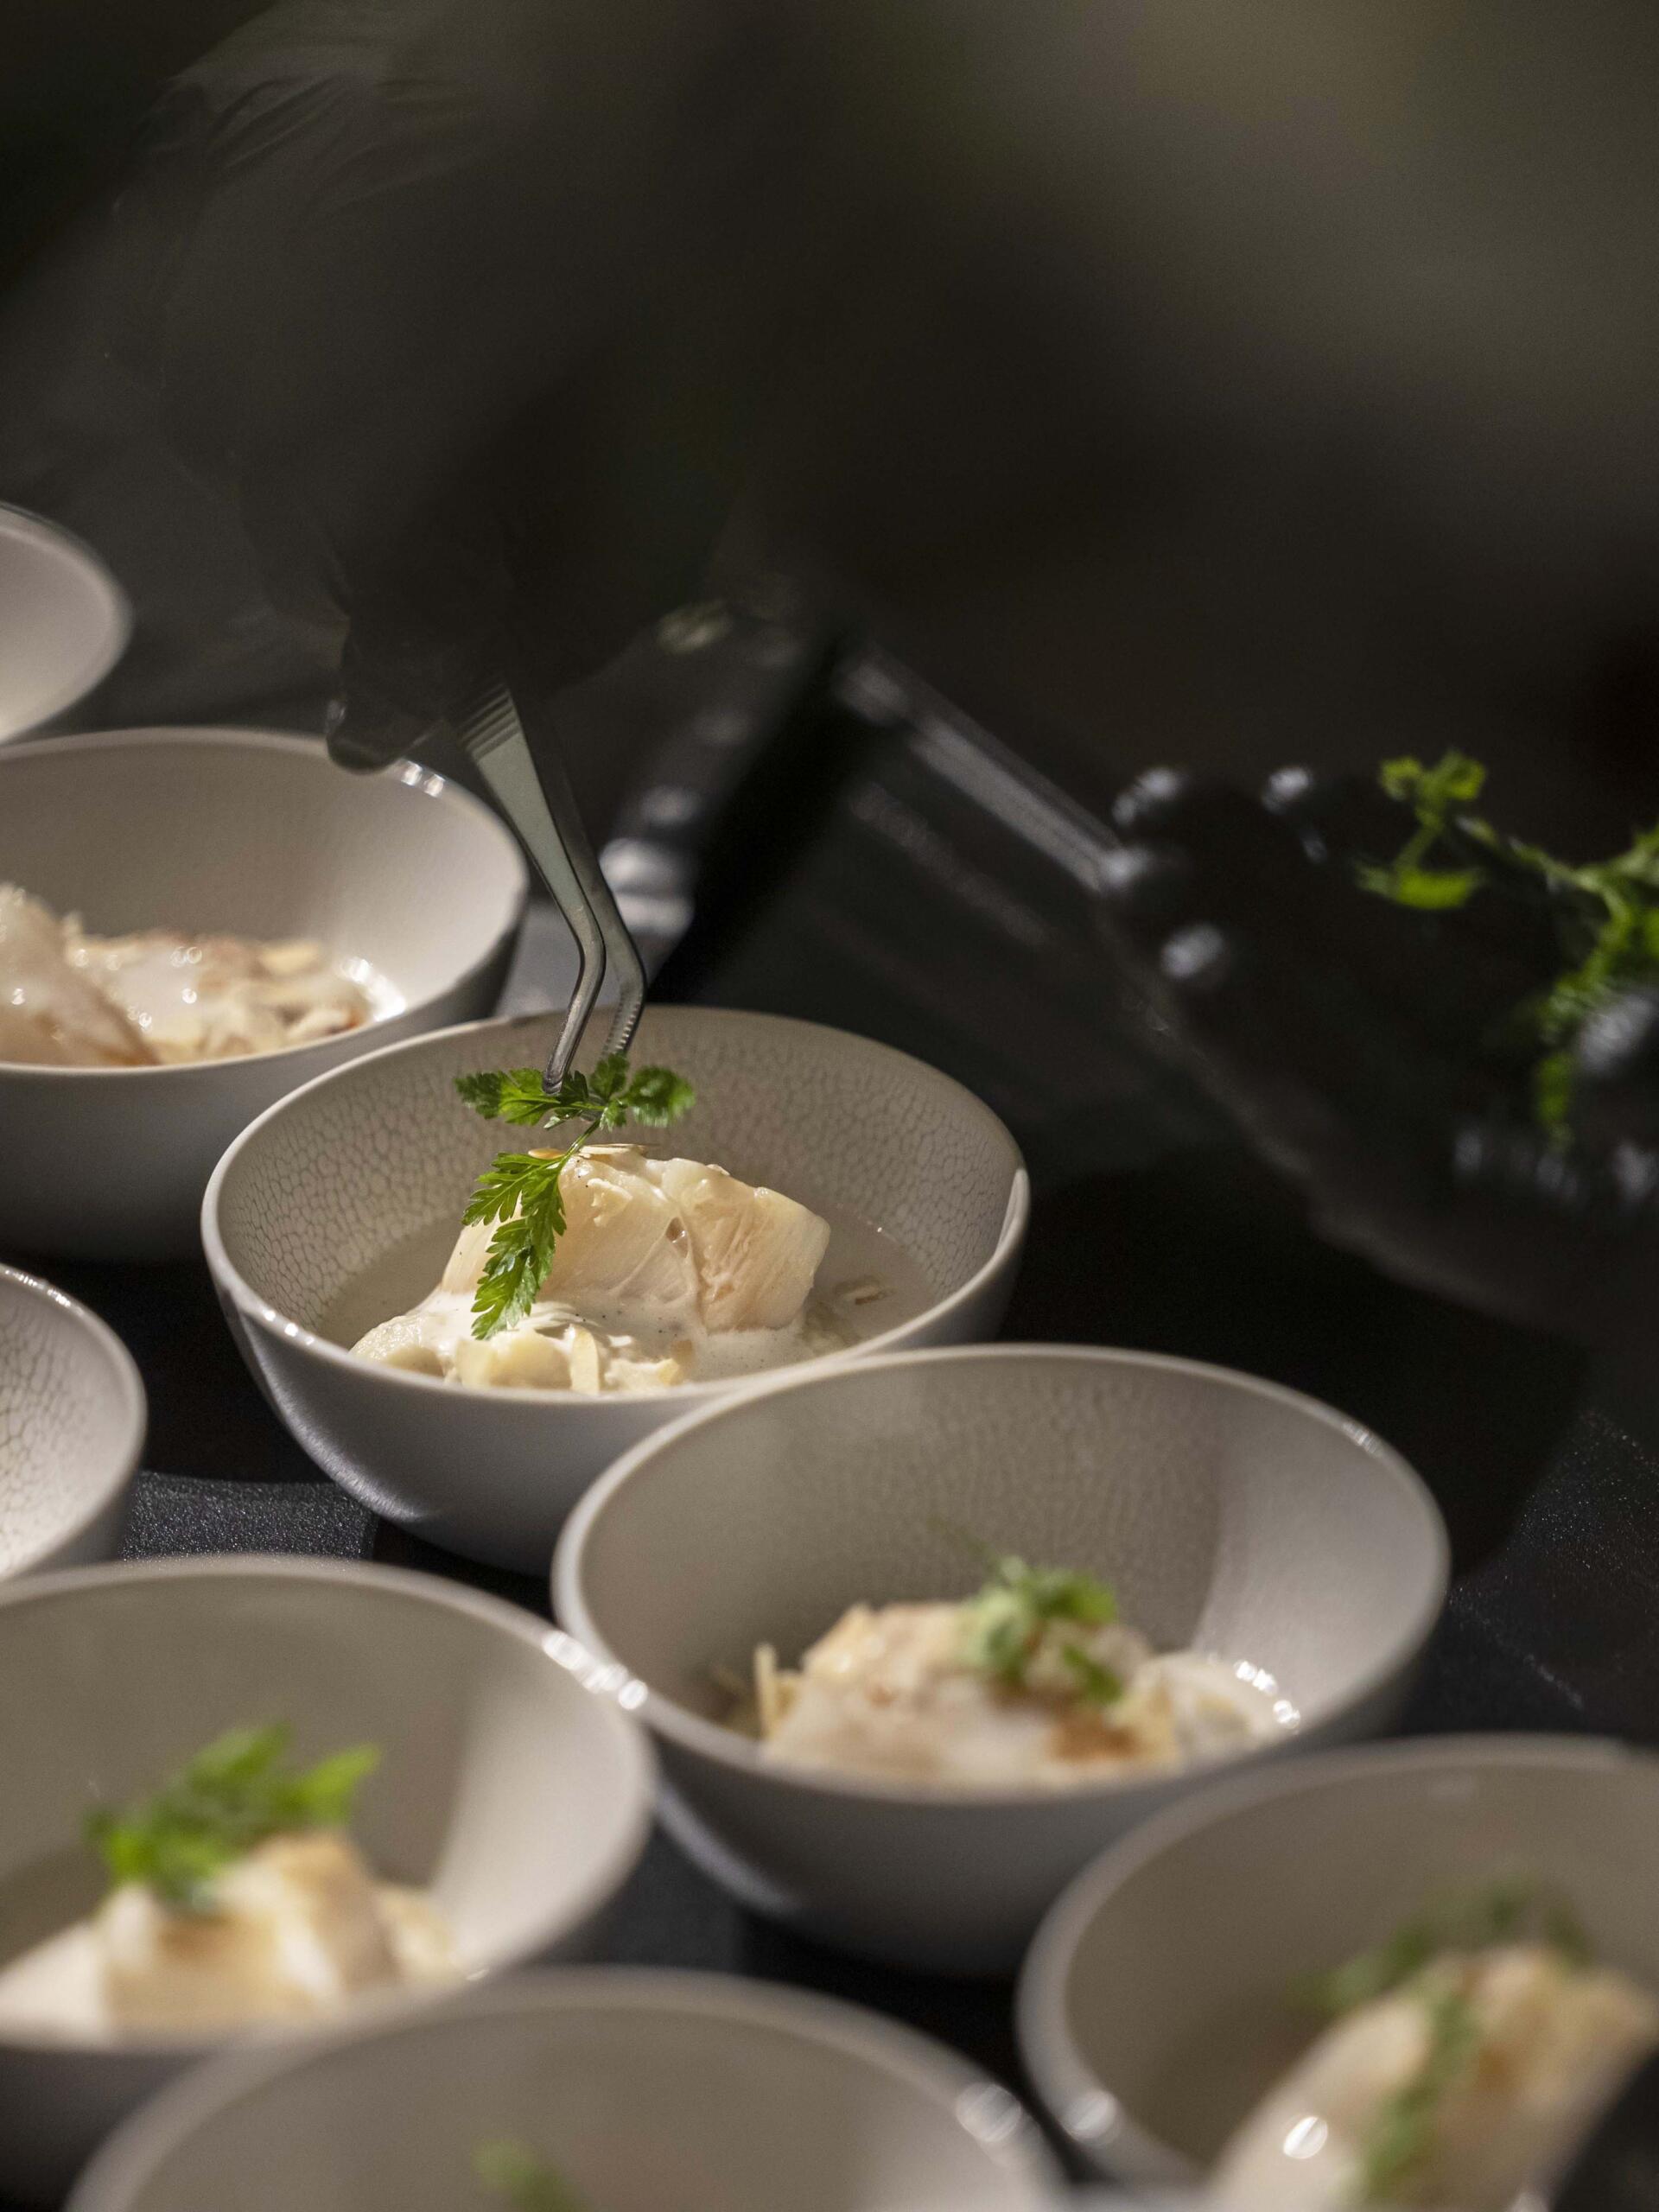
64,621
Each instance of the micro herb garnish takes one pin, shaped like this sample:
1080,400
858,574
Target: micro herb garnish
529,2183
1433,794
1402,2130
1010,1619
1608,910
520,1190
232,1795
1511,1908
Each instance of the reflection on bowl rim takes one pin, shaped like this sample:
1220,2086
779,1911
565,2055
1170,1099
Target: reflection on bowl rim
691,1732
135,1409
940,2074
637,1754
254,1308
1082,2105
410,773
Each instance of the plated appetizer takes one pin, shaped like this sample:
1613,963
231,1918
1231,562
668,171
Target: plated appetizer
597,1265
157,996
236,1896
1466,2057
1033,1679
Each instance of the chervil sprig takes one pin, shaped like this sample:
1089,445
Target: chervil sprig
520,1191
1017,1613
1609,910
1509,1908
529,2183
1402,2132
232,1795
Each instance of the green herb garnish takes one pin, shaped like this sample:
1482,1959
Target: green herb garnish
520,1192
529,2183
1608,911
232,1796
1433,793
1019,1612
1402,2132
1513,1908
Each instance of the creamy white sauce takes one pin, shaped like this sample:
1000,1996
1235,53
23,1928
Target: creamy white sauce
1552,2043
888,1691
158,996
670,1271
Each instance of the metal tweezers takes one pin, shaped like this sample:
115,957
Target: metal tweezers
541,807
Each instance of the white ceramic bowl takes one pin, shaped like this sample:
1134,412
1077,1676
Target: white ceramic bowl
71,1427
1153,2011
260,835
339,1206
1227,1514
647,2091
518,1795
64,621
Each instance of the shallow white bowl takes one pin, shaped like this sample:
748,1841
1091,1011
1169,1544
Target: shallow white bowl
1227,1514
64,620
339,1206
240,831
646,2091
520,1795
71,1427
1153,2011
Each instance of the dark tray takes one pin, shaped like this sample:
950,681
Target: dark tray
929,873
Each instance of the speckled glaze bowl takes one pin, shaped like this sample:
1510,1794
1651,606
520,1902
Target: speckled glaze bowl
1152,2011
509,1786
648,2092
339,1206
1227,1514
259,836
71,1427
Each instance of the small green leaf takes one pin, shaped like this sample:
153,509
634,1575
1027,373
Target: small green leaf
1430,889
1098,1684
528,2182
522,1193
1402,2132
1006,1623
234,1794
611,1076
658,1096
515,1095
1502,1911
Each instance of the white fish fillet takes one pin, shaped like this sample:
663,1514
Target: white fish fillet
1554,2044
50,1014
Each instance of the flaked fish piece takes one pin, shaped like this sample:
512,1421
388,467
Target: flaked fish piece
1545,2042
663,1266
294,1929
756,1252
50,1014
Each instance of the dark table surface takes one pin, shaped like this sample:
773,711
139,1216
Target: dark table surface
1546,1473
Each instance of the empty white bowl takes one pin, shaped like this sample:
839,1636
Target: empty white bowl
71,1427
1152,2010
260,835
1227,1513
64,620
339,1207
646,2091
517,1795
